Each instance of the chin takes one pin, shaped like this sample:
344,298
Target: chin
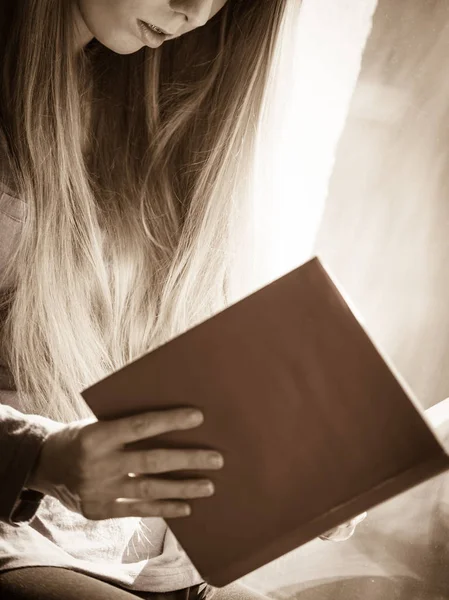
120,44
123,49
124,52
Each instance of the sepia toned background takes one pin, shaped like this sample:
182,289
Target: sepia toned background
385,231
385,236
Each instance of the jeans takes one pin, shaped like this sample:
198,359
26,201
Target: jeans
55,583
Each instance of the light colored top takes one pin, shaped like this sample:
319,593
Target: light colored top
137,554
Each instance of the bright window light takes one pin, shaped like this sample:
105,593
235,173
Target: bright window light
316,72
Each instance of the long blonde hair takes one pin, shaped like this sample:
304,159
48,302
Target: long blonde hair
134,170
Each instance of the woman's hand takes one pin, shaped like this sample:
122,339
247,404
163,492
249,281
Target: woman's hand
343,532
85,466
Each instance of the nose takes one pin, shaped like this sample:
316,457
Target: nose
196,12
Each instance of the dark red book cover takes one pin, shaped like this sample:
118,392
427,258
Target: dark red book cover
314,425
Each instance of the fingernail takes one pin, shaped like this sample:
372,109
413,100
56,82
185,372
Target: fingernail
208,488
217,460
196,417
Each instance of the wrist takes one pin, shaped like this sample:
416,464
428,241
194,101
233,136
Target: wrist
41,476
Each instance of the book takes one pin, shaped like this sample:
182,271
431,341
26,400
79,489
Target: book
314,424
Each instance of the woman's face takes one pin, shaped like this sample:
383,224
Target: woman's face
120,24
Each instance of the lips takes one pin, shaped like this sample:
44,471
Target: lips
154,28
149,37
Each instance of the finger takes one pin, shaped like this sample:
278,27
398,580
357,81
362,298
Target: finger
129,508
147,488
357,520
118,432
152,462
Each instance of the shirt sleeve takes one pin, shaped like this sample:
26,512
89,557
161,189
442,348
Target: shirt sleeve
21,439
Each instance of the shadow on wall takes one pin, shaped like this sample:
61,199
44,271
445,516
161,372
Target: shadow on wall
384,232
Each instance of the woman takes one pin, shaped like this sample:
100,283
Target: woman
123,165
